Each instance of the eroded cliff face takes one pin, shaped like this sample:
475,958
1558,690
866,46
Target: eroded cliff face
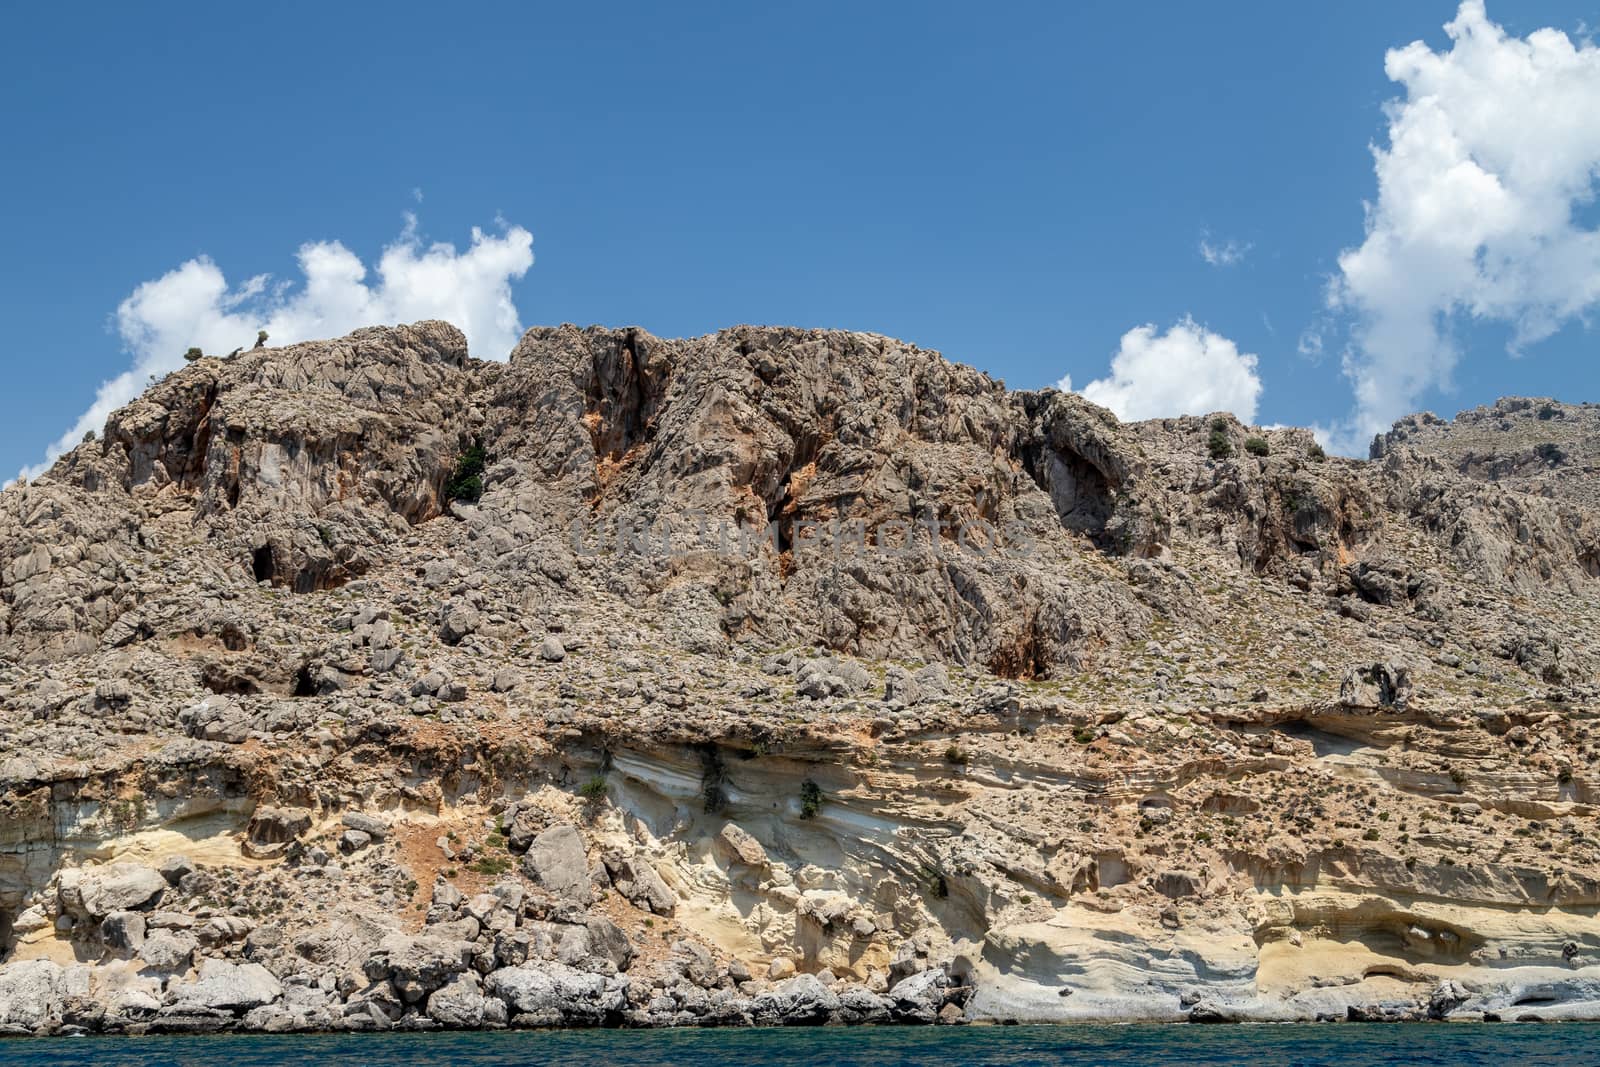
783,676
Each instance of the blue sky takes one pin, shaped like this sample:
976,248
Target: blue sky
1017,185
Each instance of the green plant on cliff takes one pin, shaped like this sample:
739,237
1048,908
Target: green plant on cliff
466,482
1218,444
810,799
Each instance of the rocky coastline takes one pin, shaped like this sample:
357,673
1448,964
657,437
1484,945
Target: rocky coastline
320,709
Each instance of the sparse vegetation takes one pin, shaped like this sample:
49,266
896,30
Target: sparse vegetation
810,799
1316,453
594,788
1257,446
1551,453
466,483
1219,445
492,866
190,356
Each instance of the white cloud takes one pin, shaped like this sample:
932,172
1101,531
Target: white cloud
194,306
1186,371
1311,343
1490,152
1228,253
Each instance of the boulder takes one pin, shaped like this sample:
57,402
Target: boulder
95,892
123,931
918,999
859,1006
31,995
740,846
637,880
609,941
417,965
226,987
354,841
457,621
1380,686
556,860
459,1004
374,828
553,994
798,1001
169,950
173,868
522,828
216,718
271,829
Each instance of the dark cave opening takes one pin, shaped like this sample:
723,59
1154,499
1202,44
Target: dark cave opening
262,564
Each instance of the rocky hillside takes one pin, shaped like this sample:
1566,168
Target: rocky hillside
785,676
1535,445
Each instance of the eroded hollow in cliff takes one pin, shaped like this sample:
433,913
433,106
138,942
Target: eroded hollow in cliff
1079,491
623,395
263,565
1020,658
219,678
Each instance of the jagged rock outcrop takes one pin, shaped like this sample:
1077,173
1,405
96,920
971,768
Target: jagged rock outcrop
785,677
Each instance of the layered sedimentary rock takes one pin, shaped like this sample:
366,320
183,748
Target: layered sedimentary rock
784,676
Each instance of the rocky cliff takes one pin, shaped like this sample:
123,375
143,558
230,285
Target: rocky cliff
785,676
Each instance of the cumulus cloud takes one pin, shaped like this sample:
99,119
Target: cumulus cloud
194,306
1228,253
1492,153
1188,370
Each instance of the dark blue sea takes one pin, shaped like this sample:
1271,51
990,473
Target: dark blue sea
1445,1044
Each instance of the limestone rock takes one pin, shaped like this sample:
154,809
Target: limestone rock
741,847
96,892
554,994
556,860
224,986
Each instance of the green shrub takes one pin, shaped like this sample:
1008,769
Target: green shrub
1316,452
1257,446
1220,446
594,788
492,866
192,354
810,799
954,755
1370,835
1084,735
1551,453
466,483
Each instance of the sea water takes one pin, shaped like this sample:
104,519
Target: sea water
1179,1045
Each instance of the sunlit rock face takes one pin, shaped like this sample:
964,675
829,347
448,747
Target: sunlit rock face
784,676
